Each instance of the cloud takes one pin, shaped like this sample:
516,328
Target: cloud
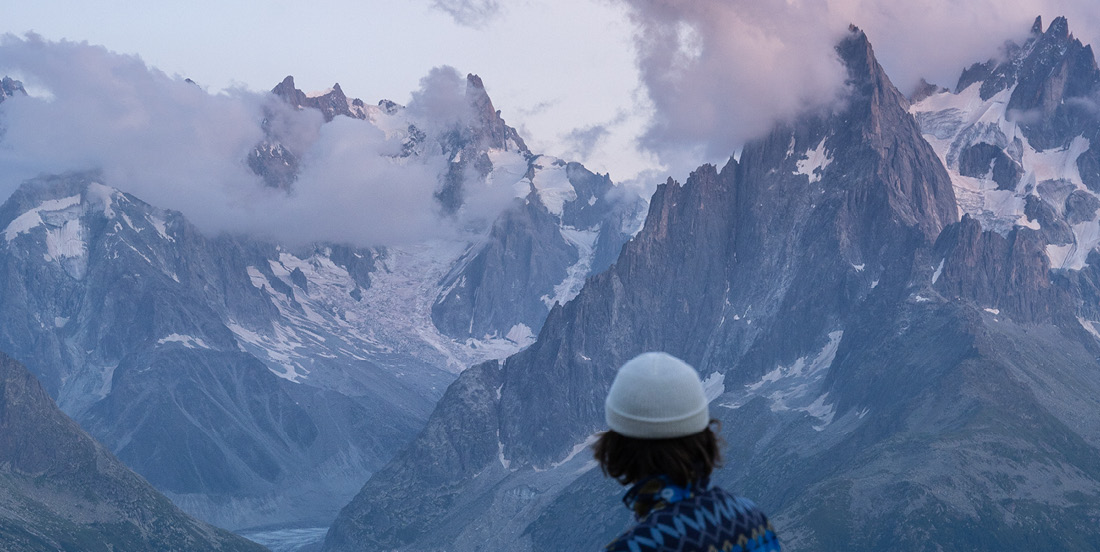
469,13
349,191
162,138
720,72
441,100
176,146
1090,104
581,141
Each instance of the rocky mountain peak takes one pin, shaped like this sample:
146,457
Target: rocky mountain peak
1047,74
289,92
487,125
1059,28
10,87
330,103
916,188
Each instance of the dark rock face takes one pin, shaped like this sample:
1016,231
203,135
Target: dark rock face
1052,228
60,490
924,90
1058,70
240,377
486,291
890,376
984,159
1056,80
1081,207
460,440
488,128
272,159
1008,273
276,164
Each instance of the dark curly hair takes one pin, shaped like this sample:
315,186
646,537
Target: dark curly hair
684,460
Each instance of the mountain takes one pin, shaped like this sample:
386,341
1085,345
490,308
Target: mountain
889,376
10,87
260,385
184,355
537,254
565,225
60,490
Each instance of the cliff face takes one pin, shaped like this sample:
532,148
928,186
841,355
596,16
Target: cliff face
59,489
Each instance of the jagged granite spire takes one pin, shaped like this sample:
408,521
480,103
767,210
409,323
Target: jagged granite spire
487,126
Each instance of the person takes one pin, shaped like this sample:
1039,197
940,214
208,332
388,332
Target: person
662,442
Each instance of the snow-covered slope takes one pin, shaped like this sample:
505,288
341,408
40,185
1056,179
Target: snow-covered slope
1008,169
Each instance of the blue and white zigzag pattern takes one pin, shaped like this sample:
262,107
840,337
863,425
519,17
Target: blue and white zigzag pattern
712,521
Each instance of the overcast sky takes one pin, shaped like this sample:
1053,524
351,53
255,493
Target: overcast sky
638,88
550,66
554,67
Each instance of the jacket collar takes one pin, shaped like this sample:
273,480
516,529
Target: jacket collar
657,492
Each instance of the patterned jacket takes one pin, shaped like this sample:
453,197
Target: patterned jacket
698,518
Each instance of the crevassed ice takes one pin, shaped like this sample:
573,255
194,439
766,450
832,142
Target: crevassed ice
66,241
585,243
33,217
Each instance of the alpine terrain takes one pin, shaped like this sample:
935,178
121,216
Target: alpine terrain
893,305
258,384
60,490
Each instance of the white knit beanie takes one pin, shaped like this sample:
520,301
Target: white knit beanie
656,396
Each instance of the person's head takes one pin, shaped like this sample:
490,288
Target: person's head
659,423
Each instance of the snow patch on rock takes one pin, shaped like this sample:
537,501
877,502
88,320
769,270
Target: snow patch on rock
185,340
793,388
714,386
813,162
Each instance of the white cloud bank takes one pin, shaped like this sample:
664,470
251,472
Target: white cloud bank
720,72
177,146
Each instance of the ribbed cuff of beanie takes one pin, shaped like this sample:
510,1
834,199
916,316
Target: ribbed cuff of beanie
658,428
